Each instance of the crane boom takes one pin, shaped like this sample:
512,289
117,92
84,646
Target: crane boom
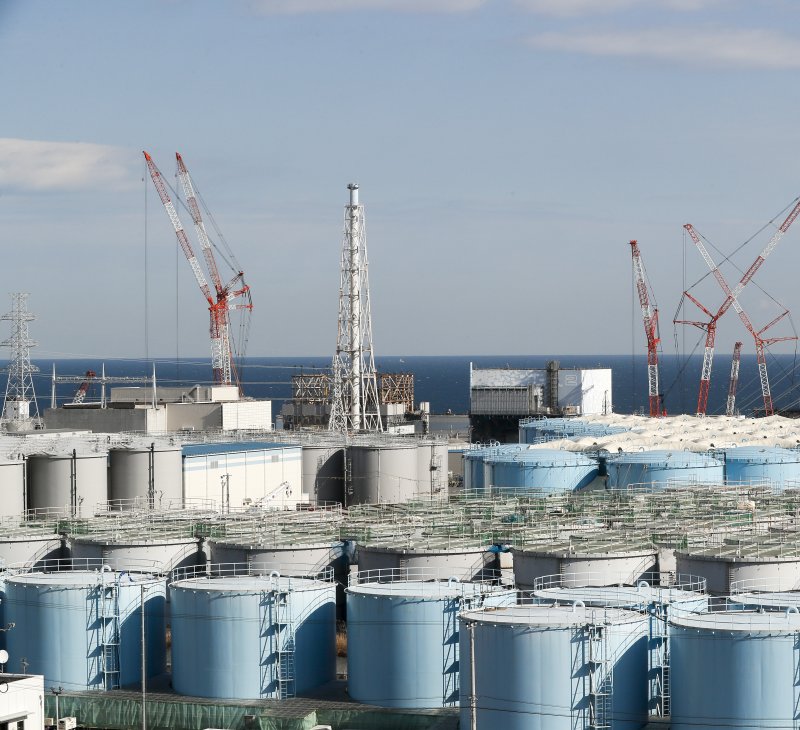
650,319
183,240
199,226
731,299
219,302
730,408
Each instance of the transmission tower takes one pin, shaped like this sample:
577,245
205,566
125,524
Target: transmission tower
354,396
19,408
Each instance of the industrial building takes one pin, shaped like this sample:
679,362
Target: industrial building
500,397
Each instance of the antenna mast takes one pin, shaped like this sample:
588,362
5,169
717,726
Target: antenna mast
354,405
20,412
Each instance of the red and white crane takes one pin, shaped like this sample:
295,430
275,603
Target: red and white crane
731,299
730,407
222,300
650,319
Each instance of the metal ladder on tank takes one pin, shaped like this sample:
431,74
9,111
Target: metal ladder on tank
796,684
450,652
284,637
108,616
601,677
658,659
266,633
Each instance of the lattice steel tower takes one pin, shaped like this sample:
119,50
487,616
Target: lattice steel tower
19,407
354,395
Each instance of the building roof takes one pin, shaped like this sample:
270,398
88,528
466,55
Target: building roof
233,447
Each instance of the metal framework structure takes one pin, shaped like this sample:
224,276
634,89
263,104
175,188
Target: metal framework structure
20,405
397,388
730,408
354,396
103,380
224,297
650,319
731,299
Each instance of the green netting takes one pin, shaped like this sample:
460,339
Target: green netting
105,710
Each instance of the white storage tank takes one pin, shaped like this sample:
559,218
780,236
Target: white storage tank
21,543
68,485
535,667
167,549
382,472
412,615
81,628
12,488
432,468
145,477
601,559
263,636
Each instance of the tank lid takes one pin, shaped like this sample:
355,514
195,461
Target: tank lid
553,616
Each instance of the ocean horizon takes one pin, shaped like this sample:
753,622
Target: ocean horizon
443,380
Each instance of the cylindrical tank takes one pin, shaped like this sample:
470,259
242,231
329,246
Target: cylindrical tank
251,636
150,477
771,562
126,549
414,622
733,669
81,629
382,473
67,484
748,464
596,559
463,558
323,472
432,469
658,469
535,667
12,487
539,470
474,466
31,546
292,556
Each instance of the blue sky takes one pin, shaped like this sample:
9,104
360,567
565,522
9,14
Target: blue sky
506,150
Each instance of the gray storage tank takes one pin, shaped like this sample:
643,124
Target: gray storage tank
465,558
31,544
432,468
263,636
767,559
12,488
323,471
382,472
149,477
412,615
81,627
603,559
734,668
534,667
69,485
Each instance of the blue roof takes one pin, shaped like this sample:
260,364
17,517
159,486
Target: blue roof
233,447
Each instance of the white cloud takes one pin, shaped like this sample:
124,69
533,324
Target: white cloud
38,165
291,7
757,49
574,8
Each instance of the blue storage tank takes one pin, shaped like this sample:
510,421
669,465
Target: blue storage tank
553,668
748,464
549,471
474,466
657,469
548,429
402,636
81,629
252,636
734,669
